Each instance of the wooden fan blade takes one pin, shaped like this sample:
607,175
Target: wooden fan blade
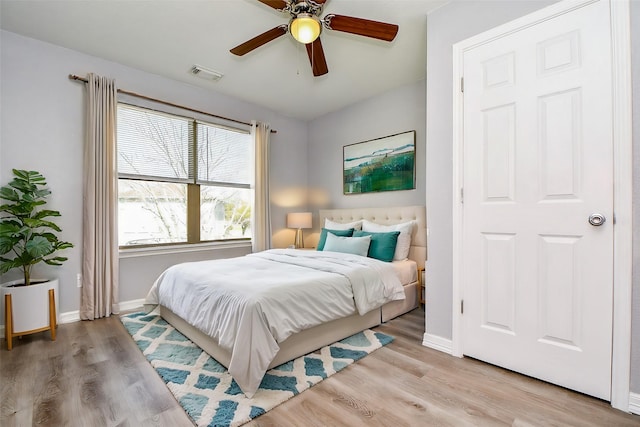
316,57
257,41
362,27
276,4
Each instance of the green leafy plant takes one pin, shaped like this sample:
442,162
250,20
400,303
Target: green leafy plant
26,235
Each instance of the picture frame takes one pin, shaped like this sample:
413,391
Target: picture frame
382,164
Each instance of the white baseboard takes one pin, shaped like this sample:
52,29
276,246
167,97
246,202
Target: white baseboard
438,343
69,317
74,316
133,304
634,403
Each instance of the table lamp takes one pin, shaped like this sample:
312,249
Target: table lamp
299,220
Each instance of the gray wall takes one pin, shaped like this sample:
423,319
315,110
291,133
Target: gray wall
42,119
446,26
396,111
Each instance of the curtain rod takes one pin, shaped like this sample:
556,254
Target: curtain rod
171,104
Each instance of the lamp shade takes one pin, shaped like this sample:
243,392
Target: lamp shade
299,220
305,28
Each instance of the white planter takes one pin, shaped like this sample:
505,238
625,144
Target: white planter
30,304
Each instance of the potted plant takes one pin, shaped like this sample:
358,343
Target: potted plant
27,237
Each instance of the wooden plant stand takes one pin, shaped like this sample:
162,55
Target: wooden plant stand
8,313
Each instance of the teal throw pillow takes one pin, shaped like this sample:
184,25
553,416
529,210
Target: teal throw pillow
323,235
383,245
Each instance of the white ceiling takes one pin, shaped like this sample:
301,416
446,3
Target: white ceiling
167,37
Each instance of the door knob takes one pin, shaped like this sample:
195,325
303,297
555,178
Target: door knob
596,219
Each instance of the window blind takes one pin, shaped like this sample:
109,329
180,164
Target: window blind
154,146
223,156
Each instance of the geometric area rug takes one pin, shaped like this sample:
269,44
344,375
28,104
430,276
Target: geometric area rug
207,392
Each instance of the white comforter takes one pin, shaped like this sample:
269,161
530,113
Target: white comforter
252,303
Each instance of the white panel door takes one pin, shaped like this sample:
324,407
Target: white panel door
538,162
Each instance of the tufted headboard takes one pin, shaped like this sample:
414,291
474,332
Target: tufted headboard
388,216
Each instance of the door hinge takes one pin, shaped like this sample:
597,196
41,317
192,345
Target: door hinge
462,84
462,195
461,306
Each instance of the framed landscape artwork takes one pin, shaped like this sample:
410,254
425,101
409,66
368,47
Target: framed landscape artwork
382,164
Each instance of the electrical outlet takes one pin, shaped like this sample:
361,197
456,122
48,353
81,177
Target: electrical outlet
79,280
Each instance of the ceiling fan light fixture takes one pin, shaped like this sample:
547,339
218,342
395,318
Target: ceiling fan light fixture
305,28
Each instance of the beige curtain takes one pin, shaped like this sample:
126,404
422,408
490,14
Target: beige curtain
261,211
100,232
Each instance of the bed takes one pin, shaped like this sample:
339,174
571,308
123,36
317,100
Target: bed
417,249
247,361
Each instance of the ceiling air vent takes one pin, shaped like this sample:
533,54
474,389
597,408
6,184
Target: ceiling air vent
205,73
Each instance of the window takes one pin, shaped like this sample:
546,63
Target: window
181,180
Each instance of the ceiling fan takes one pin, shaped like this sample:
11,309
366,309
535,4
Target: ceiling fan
306,25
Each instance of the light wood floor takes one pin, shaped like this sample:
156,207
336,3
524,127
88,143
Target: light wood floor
94,375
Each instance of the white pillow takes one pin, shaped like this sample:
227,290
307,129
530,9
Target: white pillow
330,225
348,245
404,239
